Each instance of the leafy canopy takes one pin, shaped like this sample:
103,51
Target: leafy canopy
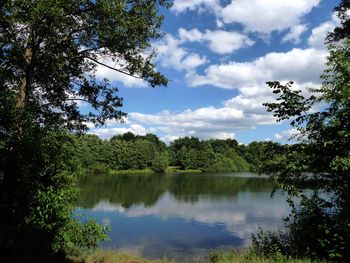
318,169
49,55
50,50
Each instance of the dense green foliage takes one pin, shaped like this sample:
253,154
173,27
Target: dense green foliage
36,208
137,152
49,52
122,152
320,226
211,155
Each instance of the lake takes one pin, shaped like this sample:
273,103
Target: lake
180,216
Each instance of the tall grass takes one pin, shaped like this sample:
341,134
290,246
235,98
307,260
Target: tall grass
246,256
113,256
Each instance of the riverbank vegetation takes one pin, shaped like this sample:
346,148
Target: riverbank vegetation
215,256
130,153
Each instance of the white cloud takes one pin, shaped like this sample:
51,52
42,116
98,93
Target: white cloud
184,5
266,16
287,135
318,35
245,110
262,16
111,131
300,65
128,81
295,33
171,55
208,122
219,41
225,135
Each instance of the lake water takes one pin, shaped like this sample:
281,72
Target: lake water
181,216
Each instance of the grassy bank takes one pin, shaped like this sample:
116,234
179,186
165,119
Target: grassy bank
113,256
216,256
243,256
121,172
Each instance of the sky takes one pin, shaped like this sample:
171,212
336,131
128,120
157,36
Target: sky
218,55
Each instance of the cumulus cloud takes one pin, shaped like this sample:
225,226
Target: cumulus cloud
300,65
219,41
185,5
295,33
172,55
245,110
318,35
128,81
207,122
266,16
108,132
287,135
103,72
262,16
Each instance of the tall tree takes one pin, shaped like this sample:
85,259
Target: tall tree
50,51
320,226
343,30
49,54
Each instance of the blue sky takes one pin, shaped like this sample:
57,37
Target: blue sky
218,54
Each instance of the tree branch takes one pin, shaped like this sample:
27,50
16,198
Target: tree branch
118,70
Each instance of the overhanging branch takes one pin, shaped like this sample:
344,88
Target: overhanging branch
115,69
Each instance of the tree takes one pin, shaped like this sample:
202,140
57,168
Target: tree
343,30
320,226
49,54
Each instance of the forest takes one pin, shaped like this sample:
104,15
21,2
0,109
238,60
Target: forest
139,152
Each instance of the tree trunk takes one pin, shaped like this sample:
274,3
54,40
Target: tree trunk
24,82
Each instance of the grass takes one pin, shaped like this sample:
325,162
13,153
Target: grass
113,256
215,256
243,256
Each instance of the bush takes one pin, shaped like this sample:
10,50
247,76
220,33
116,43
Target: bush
37,200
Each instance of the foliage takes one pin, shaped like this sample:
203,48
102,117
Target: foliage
112,256
122,152
37,207
160,162
207,155
50,52
320,226
138,152
49,55
343,30
237,256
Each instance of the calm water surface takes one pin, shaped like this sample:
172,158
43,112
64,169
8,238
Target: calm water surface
180,216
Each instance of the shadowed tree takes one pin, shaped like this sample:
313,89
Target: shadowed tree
49,54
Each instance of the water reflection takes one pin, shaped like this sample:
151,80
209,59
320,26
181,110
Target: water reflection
180,216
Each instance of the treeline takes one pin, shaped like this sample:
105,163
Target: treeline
138,152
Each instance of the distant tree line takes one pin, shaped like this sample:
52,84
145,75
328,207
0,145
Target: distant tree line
136,152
